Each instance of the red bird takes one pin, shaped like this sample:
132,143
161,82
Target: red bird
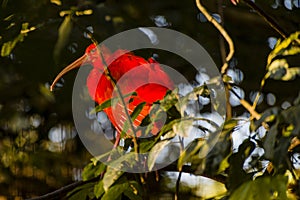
145,77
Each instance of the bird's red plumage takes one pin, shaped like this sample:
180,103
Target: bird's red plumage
145,77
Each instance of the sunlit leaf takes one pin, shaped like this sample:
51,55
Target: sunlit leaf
84,12
288,131
110,177
268,115
191,96
155,152
224,164
227,79
182,128
57,2
285,47
113,172
262,188
291,74
278,69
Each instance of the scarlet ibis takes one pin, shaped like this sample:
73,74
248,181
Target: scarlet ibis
148,80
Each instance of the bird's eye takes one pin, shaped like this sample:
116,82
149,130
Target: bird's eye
93,50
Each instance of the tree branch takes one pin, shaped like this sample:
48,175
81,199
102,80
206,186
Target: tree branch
61,192
267,18
223,33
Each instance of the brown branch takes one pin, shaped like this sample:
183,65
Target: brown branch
223,58
222,32
61,192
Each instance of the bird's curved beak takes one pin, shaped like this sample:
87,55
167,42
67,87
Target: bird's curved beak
77,63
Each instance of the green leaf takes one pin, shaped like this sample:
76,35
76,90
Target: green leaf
133,191
189,152
130,189
64,33
262,188
267,116
236,174
156,114
155,151
137,110
108,103
183,127
113,172
193,95
169,100
102,106
146,145
114,192
92,170
217,158
227,79
278,69
98,189
7,47
278,138
224,164
291,116
111,176
81,192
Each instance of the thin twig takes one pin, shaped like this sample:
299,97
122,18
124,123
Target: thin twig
250,109
276,27
180,171
178,185
223,58
222,31
267,18
59,193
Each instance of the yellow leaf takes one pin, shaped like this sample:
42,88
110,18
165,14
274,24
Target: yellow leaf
57,2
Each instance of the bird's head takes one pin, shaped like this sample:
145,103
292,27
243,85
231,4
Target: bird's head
92,56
